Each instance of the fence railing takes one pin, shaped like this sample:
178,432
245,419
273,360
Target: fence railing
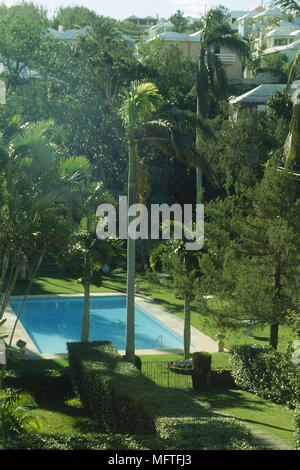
160,373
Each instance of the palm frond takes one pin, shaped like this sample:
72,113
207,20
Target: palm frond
175,142
139,102
292,67
74,167
286,5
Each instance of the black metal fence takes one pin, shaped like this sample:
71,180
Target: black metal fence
160,373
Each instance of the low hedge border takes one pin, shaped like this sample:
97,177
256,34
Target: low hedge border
117,394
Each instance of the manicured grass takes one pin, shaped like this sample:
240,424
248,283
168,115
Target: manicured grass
274,419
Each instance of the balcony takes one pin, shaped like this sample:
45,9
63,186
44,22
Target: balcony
226,59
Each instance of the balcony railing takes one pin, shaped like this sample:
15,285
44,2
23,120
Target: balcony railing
226,59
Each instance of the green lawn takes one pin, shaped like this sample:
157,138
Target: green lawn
274,419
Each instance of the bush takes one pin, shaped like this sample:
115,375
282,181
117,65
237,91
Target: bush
297,427
265,372
41,386
116,393
202,361
59,441
222,378
190,433
16,417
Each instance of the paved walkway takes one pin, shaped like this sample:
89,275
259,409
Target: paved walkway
199,341
263,439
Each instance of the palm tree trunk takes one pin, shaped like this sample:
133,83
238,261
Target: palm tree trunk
274,335
85,329
4,267
14,272
199,176
273,340
19,313
187,326
130,329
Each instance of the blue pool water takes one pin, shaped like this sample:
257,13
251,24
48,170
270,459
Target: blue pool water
51,323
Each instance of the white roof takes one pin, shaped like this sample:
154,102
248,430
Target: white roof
295,33
277,32
173,36
258,94
274,12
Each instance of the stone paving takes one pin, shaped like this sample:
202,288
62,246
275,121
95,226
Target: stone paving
199,341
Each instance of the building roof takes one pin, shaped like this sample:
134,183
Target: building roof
292,46
273,12
251,13
258,94
173,36
277,32
295,33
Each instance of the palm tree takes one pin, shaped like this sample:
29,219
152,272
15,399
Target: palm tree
183,265
211,79
37,185
286,5
141,102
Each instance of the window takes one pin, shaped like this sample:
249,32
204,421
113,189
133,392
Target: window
280,42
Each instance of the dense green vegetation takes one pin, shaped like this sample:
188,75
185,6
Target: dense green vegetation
85,116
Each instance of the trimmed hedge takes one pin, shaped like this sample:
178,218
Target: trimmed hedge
60,441
202,361
191,433
116,393
265,372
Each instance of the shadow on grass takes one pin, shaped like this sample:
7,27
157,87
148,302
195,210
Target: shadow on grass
261,338
225,399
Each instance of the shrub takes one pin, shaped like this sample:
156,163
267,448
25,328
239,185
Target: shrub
202,361
190,433
59,441
40,386
222,378
16,417
201,376
265,372
297,427
116,393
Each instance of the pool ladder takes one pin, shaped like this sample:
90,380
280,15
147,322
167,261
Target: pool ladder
160,339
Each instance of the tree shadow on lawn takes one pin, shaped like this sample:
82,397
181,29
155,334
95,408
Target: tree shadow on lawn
83,421
261,338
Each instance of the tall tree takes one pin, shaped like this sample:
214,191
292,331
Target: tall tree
179,21
21,31
183,266
254,272
74,17
140,101
211,79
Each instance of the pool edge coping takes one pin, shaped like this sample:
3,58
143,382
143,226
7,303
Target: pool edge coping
200,341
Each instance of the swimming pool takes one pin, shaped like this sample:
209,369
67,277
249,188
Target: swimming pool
51,323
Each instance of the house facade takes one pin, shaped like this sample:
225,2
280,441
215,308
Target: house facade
190,43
